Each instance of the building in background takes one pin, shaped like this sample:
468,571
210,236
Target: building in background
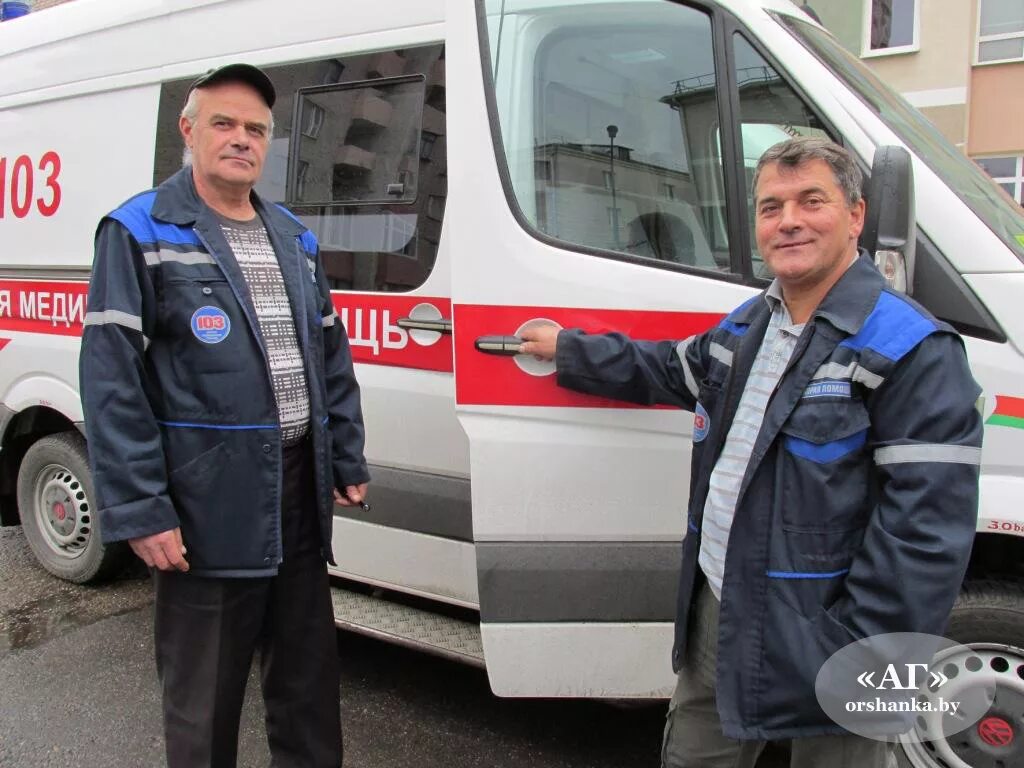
961,62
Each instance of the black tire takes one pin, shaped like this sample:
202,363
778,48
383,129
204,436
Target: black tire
989,617
58,513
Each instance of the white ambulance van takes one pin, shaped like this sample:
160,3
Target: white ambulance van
471,167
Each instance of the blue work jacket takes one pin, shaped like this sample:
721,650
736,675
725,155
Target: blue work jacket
857,512
180,413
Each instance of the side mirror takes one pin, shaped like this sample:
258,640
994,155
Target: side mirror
890,227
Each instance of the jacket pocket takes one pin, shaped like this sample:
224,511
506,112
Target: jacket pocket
825,468
201,322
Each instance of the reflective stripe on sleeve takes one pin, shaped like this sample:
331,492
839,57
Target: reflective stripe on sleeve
721,354
330,320
116,317
691,382
946,454
852,371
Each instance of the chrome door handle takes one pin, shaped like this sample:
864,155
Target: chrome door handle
499,345
438,326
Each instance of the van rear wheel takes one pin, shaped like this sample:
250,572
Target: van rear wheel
58,514
989,619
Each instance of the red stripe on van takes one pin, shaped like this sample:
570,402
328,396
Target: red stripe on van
4,343
53,307
375,338
484,379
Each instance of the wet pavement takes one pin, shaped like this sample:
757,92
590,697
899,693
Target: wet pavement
78,690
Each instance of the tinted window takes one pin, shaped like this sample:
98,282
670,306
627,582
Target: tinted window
368,171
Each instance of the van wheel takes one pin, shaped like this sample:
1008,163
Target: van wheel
989,618
58,514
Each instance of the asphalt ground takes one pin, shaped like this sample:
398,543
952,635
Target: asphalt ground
78,689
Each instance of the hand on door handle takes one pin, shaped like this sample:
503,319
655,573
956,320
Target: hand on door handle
541,341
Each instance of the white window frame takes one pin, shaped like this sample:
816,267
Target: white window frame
989,39
867,52
1017,179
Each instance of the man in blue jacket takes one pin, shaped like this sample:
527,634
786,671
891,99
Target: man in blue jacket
834,486
223,422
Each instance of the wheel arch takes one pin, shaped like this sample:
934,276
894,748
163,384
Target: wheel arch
996,556
21,430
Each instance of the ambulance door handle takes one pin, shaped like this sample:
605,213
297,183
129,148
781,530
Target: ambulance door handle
438,326
499,345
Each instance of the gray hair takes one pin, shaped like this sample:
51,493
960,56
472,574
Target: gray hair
191,113
793,153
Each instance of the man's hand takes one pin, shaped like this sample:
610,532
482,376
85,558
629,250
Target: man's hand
539,342
163,551
353,496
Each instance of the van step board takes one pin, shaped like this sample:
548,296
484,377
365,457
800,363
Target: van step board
404,625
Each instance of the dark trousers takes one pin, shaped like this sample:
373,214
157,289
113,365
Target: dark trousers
207,630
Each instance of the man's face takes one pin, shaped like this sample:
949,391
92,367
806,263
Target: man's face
230,135
805,229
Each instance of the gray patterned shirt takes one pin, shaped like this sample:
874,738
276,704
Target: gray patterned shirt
777,348
258,262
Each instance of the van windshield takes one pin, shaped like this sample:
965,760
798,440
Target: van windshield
991,204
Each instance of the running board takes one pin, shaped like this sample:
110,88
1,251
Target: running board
404,625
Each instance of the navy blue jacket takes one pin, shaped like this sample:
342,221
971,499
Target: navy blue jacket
857,513
180,415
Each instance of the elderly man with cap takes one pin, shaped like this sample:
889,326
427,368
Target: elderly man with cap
224,421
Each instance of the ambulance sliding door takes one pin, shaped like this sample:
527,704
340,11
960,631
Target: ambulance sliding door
591,194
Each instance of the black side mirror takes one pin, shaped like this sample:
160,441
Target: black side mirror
890,227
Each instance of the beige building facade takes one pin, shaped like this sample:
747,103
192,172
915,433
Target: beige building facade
960,62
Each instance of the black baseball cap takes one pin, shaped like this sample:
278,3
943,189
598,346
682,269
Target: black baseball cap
238,73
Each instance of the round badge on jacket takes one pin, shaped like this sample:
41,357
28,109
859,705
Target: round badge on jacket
210,325
701,423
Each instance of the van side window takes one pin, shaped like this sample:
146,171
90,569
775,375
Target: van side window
609,127
367,172
770,112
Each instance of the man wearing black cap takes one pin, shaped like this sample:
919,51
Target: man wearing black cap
223,417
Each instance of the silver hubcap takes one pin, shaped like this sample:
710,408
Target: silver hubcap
62,511
995,741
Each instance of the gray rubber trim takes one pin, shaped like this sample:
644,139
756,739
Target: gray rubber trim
578,581
416,501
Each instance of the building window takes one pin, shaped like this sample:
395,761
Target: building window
668,191
1000,31
607,177
1007,172
891,26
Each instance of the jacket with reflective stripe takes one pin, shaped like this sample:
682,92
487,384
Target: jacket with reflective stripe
857,513
181,418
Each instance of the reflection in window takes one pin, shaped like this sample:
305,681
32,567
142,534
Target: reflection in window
770,112
376,228
312,120
615,148
371,142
